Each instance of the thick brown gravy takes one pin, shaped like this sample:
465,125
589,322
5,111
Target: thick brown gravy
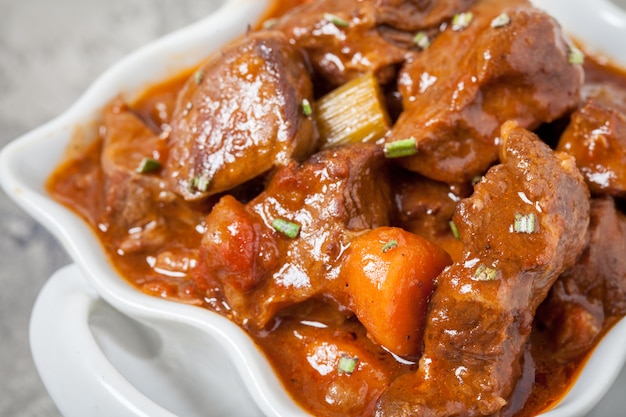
303,342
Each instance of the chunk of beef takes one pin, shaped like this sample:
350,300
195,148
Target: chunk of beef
414,15
338,52
239,116
426,208
369,35
596,137
469,81
135,203
482,309
129,195
593,290
258,270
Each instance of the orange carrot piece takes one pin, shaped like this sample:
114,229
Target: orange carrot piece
389,275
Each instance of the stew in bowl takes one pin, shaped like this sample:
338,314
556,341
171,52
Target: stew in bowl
410,209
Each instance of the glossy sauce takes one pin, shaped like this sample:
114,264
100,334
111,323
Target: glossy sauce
305,343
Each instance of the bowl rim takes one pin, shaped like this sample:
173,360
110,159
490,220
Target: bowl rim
27,162
22,175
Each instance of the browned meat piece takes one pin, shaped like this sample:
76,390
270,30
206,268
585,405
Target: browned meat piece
574,312
366,36
414,15
469,81
343,48
260,270
524,225
130,196
239,116
426,208
596,137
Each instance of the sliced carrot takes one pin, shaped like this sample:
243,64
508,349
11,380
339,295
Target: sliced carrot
389,275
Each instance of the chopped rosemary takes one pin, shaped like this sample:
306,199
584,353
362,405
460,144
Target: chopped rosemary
336,20
307,110
525,223
203,183
421,40
390,245
270,23
455,230
198,76
200,183
287,228
400,148
575,56
485,273
500,21
461,21
148,165
347,364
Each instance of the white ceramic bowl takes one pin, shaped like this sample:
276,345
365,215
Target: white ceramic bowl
165,358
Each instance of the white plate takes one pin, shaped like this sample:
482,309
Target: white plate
170,358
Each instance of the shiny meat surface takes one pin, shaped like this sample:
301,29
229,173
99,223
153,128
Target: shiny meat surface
482,310
596,137
470,278
130,196
470,80
239,116
593,290
331,196
341,40
426,208
414,15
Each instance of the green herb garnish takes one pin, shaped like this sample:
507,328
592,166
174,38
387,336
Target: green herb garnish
461,21
336,20
287,228
307,110
400,148
390,245
525,223
148,165
347,364
501,20
198,76
200,183
421,40
270,23
455,230
485,273
575,56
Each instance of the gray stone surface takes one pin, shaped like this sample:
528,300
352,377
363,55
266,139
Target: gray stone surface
50,51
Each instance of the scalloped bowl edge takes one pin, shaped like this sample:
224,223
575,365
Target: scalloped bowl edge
26,163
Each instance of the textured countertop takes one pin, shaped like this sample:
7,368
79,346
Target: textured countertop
50,51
